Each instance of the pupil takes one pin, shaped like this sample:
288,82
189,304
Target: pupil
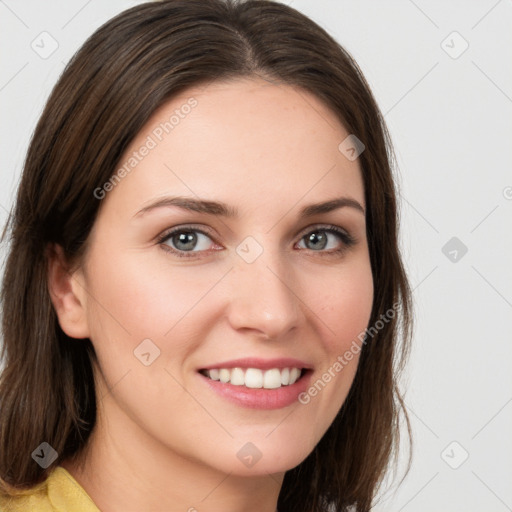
188,240
315,238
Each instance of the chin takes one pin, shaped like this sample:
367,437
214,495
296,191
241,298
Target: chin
262,458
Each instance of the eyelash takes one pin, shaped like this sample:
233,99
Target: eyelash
347,240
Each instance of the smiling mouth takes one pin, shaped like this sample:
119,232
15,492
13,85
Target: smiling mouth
255,378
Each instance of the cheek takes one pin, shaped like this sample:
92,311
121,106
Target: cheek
136,294
346,305
137,297
344,308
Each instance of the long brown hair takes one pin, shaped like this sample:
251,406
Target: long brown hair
126,70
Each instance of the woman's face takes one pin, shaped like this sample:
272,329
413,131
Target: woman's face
253,277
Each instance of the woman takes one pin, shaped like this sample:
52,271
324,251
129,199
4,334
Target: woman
204,295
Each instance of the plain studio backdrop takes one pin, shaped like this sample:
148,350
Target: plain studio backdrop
442,75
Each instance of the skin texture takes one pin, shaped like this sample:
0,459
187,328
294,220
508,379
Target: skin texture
163,439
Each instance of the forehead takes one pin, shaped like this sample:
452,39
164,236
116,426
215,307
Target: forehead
246,137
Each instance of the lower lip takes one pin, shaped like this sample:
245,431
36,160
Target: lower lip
260,398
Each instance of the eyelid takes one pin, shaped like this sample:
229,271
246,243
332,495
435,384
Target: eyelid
186,227
320,227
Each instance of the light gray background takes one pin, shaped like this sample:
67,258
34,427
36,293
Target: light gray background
450,116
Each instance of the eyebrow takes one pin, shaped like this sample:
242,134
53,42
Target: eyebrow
224,210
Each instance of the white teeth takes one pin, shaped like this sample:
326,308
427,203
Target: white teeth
237,377
285,376
254,377
272,379
214,374
294,374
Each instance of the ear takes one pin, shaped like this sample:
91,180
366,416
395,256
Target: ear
67,292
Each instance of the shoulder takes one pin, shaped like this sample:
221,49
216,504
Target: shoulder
59,492
35,499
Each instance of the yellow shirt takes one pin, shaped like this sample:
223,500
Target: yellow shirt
60,492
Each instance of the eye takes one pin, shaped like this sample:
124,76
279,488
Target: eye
184,240
331,239
188,241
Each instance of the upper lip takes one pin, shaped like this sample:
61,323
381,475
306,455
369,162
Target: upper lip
263,364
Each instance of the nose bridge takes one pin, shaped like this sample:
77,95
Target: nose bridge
262,298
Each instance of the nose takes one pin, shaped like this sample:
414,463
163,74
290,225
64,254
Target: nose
262,298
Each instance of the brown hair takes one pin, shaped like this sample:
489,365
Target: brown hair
126,70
